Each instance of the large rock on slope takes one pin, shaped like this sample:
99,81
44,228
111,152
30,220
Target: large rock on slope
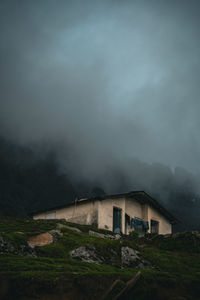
131,258
40,240
86,255
22,250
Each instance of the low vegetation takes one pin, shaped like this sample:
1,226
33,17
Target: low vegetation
49,272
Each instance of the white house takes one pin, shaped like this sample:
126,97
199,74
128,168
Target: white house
120,213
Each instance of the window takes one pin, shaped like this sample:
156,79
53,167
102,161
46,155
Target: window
154,226
117,220
137,224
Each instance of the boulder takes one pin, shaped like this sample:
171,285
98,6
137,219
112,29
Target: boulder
131,258
56,232
60,226
104,236
87,255
117,236
40,240
22,250
6,246
101,235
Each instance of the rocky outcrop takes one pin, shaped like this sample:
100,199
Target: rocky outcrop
55,232
22,250
17,243
87,255
131,258
6,246
43,239
26,248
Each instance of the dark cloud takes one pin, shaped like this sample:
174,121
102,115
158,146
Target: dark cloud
112,80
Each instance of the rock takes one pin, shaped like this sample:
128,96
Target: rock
131,258
26,251
117,236
40,240
56,232
101,235
6,246
86,255
96,234
60,226
22,250
104,236
113,252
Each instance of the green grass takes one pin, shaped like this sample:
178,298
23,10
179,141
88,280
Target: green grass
28,226
177,271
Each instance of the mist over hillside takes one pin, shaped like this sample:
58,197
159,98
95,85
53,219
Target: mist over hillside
99,96
33,178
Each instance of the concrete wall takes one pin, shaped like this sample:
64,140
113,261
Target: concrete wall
135,210
164,226
83,213
146,213
105,213
101,213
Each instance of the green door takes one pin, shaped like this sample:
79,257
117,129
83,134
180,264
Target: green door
117,220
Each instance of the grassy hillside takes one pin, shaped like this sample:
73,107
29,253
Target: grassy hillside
49,272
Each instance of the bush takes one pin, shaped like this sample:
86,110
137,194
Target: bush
134,234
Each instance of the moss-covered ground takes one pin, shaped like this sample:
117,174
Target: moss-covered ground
54,275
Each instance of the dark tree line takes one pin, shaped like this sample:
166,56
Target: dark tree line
31,182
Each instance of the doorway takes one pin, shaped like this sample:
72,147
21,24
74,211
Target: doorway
117,220
154,226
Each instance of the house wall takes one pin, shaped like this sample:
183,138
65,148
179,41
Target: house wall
101,213
83,213
164,226
135,210
105,213
146,213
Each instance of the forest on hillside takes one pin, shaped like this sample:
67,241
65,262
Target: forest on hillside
32,180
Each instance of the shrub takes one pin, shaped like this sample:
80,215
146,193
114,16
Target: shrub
134,234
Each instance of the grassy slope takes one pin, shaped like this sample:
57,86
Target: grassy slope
53,274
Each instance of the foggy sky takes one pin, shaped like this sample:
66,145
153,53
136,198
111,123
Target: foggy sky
109,81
